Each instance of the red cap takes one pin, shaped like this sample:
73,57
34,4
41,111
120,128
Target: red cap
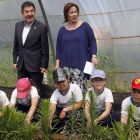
22,86
136,83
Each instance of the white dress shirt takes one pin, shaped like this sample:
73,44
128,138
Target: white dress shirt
26,31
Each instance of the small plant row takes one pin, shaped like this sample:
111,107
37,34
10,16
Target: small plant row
13,126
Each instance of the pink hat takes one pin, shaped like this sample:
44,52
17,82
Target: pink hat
22,86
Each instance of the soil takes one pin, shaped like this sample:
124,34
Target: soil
62,137
59,137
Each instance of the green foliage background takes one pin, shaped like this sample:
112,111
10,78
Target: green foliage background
105,62
8,77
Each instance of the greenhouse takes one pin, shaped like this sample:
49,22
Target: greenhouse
115,24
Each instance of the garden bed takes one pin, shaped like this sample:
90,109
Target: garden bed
118,98
12,121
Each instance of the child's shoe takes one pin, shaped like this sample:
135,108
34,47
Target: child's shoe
64,131
74,134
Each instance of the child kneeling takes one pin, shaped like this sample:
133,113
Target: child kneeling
103,99
28,98
3,99
62,99
133,100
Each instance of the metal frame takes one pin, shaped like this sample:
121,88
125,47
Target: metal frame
49,32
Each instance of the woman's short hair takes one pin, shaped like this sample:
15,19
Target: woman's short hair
66,10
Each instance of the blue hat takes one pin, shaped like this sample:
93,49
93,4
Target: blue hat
98,73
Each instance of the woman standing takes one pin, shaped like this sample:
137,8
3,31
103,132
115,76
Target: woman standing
76,44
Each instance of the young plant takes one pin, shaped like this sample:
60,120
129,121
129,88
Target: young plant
49,76
72,119
88,114
74,122
126,131
104,133
92,133
132,121
31,132
11,123
44,114
13,126
118,132
83,119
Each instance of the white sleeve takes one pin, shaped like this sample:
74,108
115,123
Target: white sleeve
33,92
3,99
14,97
77,93
54,97
125,104
109,96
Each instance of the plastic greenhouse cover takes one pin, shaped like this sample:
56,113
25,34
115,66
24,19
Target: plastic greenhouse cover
10,14
116,27
115,24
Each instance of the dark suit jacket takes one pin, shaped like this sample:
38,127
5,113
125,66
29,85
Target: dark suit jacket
35,51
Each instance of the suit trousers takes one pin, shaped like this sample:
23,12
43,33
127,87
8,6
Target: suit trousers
36,77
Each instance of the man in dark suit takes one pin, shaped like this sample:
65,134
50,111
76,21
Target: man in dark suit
31,50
